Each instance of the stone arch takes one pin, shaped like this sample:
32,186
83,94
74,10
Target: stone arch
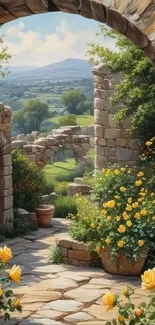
133,18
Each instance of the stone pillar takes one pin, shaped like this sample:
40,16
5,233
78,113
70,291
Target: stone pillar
113,144
6,190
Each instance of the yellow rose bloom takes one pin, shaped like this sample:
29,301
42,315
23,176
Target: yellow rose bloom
15,274
116,197
140,243
118,218
138,312
104,212
143,212
123,189
125,292
5,254
129,223
108,241
129,207
148,279
140,174
137,215
153,202
152,194
122,169
135,205
117,172
92,225
109,218
143,202
121,244
121,228
109,204
121,318
129,200
1,292
138,183
140,199
16,302
148,143
153,218
109,300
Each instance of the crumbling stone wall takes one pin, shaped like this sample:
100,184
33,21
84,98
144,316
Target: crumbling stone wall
112,144
6,197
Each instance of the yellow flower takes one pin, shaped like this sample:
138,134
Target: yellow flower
116,197
144,202
137,215
140,199
153,202
125,292
118,204
100,224
121,228
129,223
152,194
140,243
92,225
109,218
140,174
1,292
135,205
129,200
103,170
122,169
148,143
125,215
129,207
109,300
121,243
143,212
121,318
5,254
138,183
153,218
15,274
109,204
104,212
123,189
148,279
118,218
16,302
117,172
138,312
108,241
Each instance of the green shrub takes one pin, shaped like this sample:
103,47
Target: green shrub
48,187
67,120
61,189
65,205
55,255
79,171
27,182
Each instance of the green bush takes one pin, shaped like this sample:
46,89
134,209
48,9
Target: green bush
65,205
67,120
61,189
27,182
48,187
79,171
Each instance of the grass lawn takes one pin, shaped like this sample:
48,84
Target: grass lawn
58,168
82,120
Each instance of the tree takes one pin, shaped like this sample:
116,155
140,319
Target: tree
5,57
136,92
73,100
31,116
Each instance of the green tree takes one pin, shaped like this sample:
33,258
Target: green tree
73,100
136,92
31,116
5,57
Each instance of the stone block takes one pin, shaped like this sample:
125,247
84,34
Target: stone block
110,143
97,86
2,126
106,84
70,261
49,153
98,79
64,242
99,151
42,142
124,154
6,203
98,103
101,117
102,69
112,152
112,133
5,171
120,143
51,140
6,149
79,255
100,142
21,137
7,192
85,146
100,162
18,144
99,131
91,130
6,160
64,251
78,150
110,120
32,158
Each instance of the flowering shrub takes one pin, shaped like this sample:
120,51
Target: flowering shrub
128,313
7,302
126,222
147,151
27,182
61,189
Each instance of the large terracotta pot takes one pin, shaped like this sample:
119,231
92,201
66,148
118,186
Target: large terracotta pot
44,215
122,265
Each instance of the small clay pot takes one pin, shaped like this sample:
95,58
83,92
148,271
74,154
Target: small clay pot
44,215
121,264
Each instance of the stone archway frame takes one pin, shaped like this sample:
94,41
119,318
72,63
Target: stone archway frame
132,18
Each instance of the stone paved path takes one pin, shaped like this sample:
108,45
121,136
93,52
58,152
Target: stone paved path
60,294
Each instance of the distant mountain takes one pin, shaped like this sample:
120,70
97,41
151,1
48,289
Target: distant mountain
17,69
64,70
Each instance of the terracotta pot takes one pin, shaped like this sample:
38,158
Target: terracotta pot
44,215
122,265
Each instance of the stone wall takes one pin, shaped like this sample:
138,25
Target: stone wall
6,198
113,145
42,149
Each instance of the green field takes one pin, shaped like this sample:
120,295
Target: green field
82,120
59,168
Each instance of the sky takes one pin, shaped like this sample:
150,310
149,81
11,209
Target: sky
47,38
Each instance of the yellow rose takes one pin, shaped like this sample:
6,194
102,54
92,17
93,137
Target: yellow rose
121,228
153,218
92,225
5,254
129,200
122,169
148,143
138,312
125,292
135,205
138,183
121,244
16,302
140,199
129,223
15,274
109,300
140,243
140,174
118,218
117,172
123,189
108,241
109,204
104,212
109,218
148,279
1,292
129,207
116,197
121,318
152,194
143,212
137,215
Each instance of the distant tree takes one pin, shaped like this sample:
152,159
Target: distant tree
67,120
5,57
74,101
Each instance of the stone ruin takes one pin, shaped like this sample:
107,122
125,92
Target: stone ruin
40,150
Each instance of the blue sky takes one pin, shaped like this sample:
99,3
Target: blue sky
43,39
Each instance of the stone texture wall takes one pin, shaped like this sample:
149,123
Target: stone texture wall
6,198
42,149
113,145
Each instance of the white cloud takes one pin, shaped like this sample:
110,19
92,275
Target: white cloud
29,48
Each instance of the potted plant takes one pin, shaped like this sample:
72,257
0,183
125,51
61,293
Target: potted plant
44,215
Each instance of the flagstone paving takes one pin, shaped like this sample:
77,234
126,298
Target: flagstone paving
61,294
